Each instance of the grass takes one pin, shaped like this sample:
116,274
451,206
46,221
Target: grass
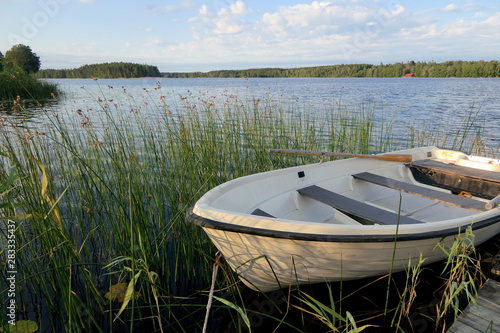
99,197
327,314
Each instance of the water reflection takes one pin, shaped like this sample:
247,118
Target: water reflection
24,113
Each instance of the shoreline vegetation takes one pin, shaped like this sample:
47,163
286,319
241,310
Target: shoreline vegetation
99,200
15,82
16,85
419,69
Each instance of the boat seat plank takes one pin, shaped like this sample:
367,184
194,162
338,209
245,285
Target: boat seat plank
260,212
439,196
355,208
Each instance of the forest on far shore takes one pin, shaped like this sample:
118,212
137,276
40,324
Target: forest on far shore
102,71
420,69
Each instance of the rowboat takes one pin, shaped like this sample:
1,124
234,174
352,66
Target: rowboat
351,218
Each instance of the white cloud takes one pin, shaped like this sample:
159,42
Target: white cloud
317,14
398,10
182,5
224,21
154,41
239,8
147,29
316,30
339,31
462,29
276,24
228,27
451,8
305,21
493,21
420,32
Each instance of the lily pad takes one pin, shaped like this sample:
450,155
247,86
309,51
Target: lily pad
118,291
21,326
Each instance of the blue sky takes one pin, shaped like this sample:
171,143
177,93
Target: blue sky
192,35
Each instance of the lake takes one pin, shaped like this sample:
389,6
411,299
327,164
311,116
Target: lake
428,104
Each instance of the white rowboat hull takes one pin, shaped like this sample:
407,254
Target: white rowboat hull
275,237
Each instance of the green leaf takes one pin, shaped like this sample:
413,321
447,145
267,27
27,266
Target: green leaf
237,308
6,187
131,293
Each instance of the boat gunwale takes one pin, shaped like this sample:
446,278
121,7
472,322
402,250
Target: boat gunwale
341,238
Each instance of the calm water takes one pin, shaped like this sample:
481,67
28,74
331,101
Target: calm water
431,104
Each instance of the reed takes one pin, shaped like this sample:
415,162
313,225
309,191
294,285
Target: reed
328,315
463,276
100,196
17,84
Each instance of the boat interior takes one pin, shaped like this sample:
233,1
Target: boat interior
421,191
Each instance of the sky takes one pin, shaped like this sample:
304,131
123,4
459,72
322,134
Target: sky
204,35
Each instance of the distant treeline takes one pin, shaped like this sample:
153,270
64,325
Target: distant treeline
420,69
102,71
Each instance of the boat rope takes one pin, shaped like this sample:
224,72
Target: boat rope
465,194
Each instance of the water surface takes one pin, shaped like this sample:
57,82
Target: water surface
429,104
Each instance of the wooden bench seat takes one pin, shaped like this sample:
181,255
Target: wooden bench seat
425,192
361,211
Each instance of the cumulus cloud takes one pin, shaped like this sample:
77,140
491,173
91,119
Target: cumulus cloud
182,5
462,29
324,31
316,29
224,21
309,17
418,33
451,8
327,18
154,41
